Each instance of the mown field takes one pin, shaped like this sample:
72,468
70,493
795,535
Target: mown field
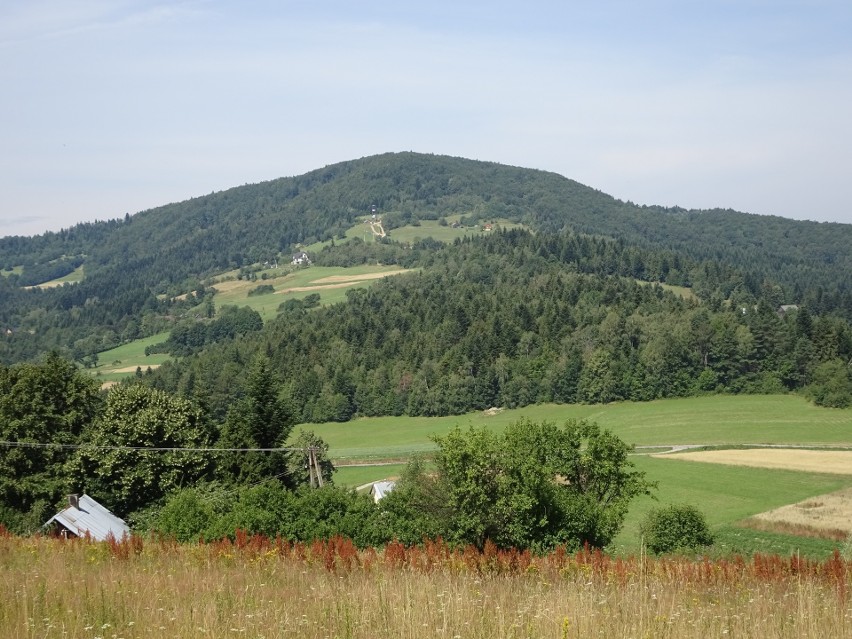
119,362
297,285
255,587
726,494
717,420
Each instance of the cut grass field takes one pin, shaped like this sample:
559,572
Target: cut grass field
117,363
73,277
727,494
717,420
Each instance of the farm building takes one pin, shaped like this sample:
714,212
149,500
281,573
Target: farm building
83,516
301,258
380,489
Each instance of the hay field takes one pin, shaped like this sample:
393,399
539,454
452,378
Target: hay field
837,462
828,516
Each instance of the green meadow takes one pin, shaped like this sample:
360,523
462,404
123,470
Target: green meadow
121,361
716,420
236,292
411,233
726,494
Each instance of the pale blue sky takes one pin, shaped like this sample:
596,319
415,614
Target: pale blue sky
111,107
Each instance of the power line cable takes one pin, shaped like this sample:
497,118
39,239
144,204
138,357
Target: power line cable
12,444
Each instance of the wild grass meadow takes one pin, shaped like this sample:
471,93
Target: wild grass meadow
257,587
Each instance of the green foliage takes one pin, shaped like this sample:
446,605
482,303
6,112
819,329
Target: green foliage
270,509
676,527
831,385
125,479
258,420
298,473
47,403
263,289
535,486
168,250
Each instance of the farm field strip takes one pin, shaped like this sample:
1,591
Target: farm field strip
830,514
810,461
718,420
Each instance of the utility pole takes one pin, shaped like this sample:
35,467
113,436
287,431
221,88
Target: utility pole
313,467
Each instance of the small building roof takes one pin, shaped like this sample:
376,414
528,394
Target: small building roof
85,515
381,489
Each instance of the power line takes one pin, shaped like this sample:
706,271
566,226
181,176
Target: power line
152,448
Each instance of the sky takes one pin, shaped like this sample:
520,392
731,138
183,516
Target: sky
116,106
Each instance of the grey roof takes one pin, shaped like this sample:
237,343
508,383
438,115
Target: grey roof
380,489
90,517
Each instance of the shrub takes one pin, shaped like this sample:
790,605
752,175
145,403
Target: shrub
263,289
676,527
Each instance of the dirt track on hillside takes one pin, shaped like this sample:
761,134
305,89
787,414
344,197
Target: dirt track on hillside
357,278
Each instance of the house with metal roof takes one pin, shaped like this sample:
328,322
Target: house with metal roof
83,516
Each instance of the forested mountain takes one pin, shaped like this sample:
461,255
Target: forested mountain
129,263
582,298
511,320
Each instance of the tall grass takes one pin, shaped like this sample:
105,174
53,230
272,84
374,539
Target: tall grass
256,587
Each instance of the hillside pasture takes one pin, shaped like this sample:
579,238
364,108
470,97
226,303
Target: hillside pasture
364,230
121,361
726,495
718,420
330,282
681,291
73,277
298,284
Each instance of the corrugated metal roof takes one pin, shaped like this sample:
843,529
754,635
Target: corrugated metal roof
380,489
90,517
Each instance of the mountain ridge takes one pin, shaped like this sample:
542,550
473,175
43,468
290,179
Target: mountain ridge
170,250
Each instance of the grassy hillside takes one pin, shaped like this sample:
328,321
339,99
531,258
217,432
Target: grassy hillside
711,420
168,250
726,495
